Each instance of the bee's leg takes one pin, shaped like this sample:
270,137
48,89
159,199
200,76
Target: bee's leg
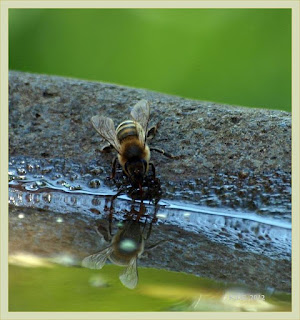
142,209
111,208
166,154
113,198
152,168
104,234
114,167
144,227
110,223
150,228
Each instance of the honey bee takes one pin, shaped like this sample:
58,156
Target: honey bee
126,246
129,139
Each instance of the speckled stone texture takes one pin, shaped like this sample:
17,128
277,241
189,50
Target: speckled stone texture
50,117
230,156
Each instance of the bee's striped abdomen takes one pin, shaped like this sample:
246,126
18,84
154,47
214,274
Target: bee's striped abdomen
125,129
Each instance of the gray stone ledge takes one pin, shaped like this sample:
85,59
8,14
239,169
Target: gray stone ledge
237,155
50,117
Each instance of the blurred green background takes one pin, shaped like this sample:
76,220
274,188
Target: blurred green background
233,56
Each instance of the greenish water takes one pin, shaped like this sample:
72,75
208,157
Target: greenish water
51,287
233,56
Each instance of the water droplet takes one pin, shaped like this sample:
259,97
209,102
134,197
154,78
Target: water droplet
29,167
38,176
29,197
31,186
74,176
72,188
20,197
63,183
21,171
46,170
36,198
73,200
47,197
96,201
12,200
56,176
95,183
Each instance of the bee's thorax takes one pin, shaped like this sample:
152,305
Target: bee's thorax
132,148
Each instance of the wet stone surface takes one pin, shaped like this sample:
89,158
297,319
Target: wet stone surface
225,204
51,224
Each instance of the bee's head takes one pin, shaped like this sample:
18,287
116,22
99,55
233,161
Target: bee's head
136,171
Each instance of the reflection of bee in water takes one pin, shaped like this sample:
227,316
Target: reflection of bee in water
129,140
125,248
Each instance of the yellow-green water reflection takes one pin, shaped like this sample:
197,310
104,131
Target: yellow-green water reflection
52,287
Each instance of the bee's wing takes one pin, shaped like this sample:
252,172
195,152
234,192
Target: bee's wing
129,277
97,260
141,113
105,127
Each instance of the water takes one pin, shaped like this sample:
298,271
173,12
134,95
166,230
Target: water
67,214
